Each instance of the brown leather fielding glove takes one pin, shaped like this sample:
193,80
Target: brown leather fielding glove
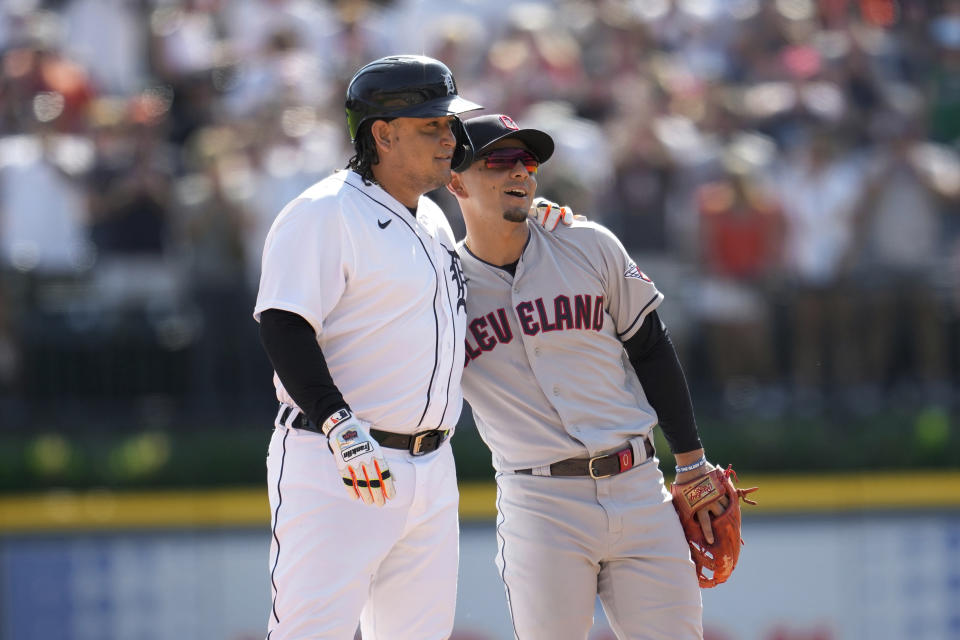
691,497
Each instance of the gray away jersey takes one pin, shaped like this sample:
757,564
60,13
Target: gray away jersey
546,373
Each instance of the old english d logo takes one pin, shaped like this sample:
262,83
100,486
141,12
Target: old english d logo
448,83
457,277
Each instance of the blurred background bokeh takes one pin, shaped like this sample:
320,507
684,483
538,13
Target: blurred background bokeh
787,171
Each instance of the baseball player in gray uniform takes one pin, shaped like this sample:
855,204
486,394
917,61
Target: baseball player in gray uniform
362,309
568,369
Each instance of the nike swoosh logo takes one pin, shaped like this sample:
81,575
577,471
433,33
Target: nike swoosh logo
384,225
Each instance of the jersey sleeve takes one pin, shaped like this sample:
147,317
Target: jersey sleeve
306,257
630,294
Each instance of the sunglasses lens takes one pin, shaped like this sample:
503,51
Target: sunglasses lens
507,159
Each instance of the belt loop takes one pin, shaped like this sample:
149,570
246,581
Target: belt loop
278,421
286,415
541,471
638,444
294,412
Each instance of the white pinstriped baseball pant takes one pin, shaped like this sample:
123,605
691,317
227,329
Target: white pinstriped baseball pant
334,560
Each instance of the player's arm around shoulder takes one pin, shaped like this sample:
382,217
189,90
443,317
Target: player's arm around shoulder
550,215
555,218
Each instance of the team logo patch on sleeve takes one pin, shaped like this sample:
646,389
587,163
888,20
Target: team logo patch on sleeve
633,272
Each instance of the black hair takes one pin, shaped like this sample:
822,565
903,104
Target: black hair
365,156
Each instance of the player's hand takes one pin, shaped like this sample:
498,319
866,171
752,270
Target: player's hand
549,214
708,507
359,459
712,510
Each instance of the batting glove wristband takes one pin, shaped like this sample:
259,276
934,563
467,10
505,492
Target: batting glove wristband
359,458
549,214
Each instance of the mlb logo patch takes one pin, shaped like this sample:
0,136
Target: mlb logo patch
509,123
339,417
633,272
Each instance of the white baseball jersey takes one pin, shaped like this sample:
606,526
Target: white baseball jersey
545,347
384,293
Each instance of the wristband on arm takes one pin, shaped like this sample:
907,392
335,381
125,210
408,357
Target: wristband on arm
693,465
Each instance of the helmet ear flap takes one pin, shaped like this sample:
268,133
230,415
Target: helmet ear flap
464,152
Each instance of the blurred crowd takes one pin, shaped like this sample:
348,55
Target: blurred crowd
787,170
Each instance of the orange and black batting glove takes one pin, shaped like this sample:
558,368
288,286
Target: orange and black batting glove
359,458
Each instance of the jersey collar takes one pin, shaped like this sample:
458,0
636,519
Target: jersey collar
376,191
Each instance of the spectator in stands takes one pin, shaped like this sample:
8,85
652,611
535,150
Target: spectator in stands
212,213
741,227
109,39
899,253
944,78
282,73
819,187
43,215
41,84
129,186
9,355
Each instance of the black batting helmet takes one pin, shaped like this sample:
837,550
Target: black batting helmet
403,87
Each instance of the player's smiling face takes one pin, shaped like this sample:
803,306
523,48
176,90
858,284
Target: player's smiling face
509,190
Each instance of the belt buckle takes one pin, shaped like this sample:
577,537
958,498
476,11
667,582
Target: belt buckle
594,475
416,446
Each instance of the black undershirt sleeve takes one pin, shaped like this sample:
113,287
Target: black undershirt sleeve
655,360
291,345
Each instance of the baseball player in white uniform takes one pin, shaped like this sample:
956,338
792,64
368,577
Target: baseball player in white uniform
361,309
568,369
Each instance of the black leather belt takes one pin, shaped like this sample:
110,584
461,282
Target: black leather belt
598,466
417,444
